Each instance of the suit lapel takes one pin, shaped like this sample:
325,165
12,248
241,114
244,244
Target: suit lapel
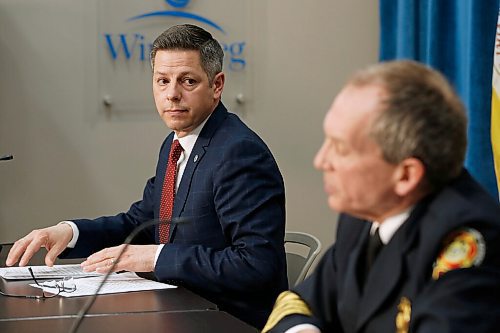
387,271
382,279
199,150
349,305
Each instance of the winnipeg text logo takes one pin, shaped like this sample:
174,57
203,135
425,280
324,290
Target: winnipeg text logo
133,46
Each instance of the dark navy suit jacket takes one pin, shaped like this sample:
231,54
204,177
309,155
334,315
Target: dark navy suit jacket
461,300
230,249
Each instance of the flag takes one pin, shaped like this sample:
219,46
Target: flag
495,106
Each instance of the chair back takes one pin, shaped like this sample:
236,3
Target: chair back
301,250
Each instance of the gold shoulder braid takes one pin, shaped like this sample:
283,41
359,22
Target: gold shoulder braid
463,248
404,315
287,303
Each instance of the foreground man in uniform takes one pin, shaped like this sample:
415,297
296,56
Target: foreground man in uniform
418,240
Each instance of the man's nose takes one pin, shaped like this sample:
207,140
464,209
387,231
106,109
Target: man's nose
320,160
173,92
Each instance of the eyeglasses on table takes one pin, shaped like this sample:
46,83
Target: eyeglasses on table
66,285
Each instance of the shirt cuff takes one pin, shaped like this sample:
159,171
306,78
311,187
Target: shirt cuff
158,250
76,233
298,328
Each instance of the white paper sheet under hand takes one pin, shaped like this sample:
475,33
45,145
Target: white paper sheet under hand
45,272
116,283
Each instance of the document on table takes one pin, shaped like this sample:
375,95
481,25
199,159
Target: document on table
45,272
116,283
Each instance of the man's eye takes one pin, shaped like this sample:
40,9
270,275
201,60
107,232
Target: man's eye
190,82
340,149
162,82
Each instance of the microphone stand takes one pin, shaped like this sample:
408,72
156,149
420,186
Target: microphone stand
6,157
81,314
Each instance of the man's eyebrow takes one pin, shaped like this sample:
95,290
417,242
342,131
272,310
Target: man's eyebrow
179,74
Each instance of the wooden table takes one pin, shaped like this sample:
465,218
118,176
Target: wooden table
168,310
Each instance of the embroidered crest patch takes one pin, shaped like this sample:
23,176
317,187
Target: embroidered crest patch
404,316
462,249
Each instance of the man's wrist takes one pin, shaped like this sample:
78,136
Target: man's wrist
157,254
75,235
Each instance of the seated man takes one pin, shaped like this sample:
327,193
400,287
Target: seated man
215,173
418,240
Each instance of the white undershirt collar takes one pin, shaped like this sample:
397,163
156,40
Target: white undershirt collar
390,225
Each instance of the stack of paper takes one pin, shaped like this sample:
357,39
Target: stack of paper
45,272
116,283
85,283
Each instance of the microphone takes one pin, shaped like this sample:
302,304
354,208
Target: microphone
6,157
83,311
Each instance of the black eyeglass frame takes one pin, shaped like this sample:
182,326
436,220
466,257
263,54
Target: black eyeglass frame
44,295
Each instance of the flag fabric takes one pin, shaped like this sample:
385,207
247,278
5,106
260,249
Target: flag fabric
456,37
495,106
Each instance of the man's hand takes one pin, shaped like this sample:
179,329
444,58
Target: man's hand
54,239
136,258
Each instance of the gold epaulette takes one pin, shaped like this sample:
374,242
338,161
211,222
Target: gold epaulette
287,303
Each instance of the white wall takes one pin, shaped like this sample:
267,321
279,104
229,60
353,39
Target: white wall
69,165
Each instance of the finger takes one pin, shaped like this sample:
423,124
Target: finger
51,256
33,246
16,251
90,267
107,253
108,265
96,258
101,266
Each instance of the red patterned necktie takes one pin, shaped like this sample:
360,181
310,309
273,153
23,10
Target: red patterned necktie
168,190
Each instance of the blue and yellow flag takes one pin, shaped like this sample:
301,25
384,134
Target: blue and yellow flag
495,106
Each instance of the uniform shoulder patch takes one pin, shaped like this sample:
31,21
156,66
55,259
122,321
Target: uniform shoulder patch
462,248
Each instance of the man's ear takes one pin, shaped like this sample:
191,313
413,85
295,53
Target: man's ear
218,85
409,175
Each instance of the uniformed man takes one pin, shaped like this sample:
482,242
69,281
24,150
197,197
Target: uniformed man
418,240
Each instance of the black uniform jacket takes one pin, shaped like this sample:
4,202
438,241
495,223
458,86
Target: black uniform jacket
464,297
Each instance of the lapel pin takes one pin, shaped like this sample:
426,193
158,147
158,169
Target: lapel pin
195,158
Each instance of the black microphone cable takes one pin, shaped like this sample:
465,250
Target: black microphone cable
83,311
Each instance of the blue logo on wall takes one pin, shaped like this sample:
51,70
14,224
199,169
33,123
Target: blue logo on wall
178,3
174,13
134,45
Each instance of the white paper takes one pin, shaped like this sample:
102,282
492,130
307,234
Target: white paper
45,272
116,283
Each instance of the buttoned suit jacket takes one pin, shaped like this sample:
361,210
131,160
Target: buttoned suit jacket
461,300
230,249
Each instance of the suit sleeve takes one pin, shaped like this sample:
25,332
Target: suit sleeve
248,196
108,231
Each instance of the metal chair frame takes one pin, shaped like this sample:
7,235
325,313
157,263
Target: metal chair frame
297,264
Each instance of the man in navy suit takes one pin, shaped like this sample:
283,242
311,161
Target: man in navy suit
228,189
418,240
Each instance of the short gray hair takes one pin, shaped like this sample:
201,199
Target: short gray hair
421,117
191,37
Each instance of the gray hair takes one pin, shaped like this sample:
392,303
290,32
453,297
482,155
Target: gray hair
421,117
191,37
